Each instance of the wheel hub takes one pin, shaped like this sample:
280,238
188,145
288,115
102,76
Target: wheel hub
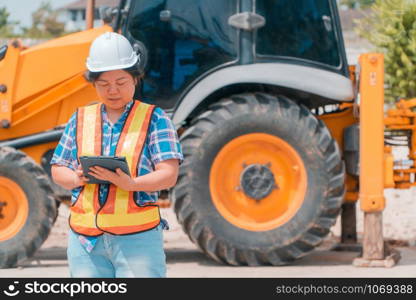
257,181
14,208
253,183
2,204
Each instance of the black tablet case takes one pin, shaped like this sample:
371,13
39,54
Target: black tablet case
108,162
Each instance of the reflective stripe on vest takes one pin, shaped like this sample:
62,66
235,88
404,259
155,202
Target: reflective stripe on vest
89,140
120,214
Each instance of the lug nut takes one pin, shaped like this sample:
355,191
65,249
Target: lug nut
5,124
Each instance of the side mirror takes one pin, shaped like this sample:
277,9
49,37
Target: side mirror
141,49
107,14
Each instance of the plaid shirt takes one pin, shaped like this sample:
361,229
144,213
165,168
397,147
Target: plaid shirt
161,144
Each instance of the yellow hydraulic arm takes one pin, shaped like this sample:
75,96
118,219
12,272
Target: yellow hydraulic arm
400,123
371,180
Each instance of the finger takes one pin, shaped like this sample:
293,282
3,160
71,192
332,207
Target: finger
82,182
98,176
104,174
102,171
94,173
98,168
119,172
95,170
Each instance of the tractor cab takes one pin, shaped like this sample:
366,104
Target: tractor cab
187,41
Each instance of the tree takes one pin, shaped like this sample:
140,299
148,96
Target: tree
45,23
352,4
391,28
4,16
6,27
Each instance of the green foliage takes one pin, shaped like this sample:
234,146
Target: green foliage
391,28
357,3
6,27
45,23
4,16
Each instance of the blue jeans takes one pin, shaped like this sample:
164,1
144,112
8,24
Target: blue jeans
136,255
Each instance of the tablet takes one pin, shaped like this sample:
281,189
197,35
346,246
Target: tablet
108,162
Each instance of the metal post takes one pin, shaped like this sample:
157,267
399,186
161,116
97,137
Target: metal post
89,15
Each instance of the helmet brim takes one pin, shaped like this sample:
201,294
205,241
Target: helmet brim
111,68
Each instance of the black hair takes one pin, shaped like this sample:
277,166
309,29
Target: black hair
135,71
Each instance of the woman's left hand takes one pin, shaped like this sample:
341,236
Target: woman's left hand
118,178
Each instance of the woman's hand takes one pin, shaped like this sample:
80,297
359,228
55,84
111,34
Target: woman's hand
118,178
80,179
67,178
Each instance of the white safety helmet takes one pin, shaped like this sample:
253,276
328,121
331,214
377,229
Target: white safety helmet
111,51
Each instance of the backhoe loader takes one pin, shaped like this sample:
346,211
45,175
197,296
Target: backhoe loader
279,133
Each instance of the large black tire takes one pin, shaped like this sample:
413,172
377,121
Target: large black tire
279,116
35,184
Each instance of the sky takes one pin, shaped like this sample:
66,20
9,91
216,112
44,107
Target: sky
21,10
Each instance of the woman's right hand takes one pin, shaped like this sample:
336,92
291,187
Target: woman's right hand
80,179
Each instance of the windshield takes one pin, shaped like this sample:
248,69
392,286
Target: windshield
302,29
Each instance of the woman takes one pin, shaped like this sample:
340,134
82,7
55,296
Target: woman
116,229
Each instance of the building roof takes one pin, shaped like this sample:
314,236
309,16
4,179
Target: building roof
82,4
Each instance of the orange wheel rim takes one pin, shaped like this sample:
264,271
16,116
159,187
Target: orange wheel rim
14,208
258,182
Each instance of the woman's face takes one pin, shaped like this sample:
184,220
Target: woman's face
115,88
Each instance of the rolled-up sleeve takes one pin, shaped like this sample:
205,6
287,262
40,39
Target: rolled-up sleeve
164,142
65,152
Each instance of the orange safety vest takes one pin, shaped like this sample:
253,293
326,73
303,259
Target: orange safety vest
120,214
